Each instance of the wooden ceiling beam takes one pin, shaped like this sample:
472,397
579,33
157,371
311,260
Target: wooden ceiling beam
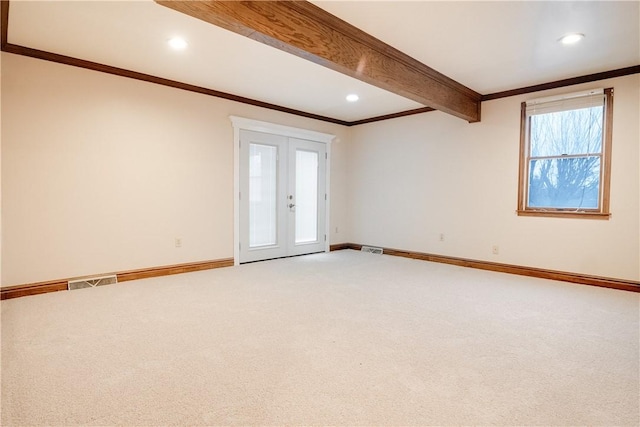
307,31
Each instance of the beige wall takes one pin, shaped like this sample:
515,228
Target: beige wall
411,179
101,173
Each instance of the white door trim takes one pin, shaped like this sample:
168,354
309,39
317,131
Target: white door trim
276,129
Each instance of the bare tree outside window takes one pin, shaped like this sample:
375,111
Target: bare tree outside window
565,155
566,148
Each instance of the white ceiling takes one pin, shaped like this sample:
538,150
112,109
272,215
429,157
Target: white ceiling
487,46
502,45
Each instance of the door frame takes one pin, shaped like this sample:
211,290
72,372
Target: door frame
242,123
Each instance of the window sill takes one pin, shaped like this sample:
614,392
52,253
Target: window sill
564,214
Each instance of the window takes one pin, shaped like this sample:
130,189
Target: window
565,155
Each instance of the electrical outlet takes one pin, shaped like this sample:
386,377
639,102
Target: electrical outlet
495,249
178,242
441,238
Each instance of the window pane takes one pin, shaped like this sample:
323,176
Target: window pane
263,162
564,183
306,196
567,132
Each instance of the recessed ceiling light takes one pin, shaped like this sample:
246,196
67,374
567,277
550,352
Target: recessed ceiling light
178,43
352,97
571,38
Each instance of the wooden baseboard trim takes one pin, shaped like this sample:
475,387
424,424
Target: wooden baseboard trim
146,273
33,289
340,246
123,276
605,282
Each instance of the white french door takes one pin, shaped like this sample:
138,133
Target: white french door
282,196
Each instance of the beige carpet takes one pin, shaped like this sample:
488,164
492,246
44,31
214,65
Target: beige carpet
331,339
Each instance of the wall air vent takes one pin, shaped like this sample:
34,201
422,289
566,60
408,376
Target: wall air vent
92,282
371,250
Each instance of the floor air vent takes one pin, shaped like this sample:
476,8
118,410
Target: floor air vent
371,250
92,282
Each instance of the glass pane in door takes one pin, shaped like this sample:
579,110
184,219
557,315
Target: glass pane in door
306,196
263,191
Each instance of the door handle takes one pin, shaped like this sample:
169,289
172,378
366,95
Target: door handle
291,205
